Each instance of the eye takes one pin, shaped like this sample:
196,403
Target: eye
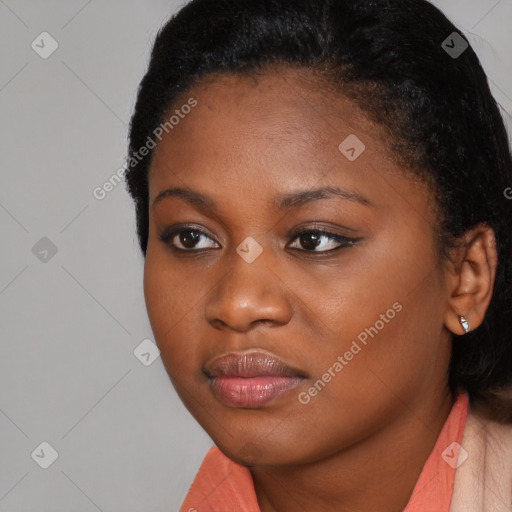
312,239
185,239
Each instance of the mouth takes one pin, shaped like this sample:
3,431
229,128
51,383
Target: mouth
251,380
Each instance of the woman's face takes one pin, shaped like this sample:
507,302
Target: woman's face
355,314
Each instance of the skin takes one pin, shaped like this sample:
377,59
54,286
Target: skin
247,141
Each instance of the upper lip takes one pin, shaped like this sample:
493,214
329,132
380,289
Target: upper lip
252,364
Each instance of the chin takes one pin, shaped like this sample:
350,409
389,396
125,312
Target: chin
254,454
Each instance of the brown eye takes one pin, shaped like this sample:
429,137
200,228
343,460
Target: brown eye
185,239
310,240
188,238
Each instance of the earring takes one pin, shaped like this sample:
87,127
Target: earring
464,324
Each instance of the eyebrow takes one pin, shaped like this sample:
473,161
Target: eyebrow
280,203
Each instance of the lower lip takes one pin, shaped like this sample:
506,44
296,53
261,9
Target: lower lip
251,392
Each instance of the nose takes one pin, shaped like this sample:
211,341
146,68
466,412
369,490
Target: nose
247,295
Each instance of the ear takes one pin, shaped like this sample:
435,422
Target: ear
471,278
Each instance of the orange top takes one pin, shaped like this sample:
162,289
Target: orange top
222,485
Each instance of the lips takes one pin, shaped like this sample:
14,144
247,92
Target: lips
251,380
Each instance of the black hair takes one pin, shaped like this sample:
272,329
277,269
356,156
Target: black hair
393,59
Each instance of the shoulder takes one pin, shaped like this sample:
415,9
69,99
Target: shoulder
489,427
483,477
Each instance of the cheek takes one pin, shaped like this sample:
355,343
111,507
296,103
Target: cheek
370,372
157,294
169,304
168,293
385,321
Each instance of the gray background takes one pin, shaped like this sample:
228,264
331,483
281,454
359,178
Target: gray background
71,321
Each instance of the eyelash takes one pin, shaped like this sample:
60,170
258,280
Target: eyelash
168,235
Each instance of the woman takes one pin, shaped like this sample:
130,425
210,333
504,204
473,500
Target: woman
320,197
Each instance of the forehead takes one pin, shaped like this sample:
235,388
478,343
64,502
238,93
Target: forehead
250,140
266,120
278,100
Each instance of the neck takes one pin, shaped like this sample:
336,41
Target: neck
378,472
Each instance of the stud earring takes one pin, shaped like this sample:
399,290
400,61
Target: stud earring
464,324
